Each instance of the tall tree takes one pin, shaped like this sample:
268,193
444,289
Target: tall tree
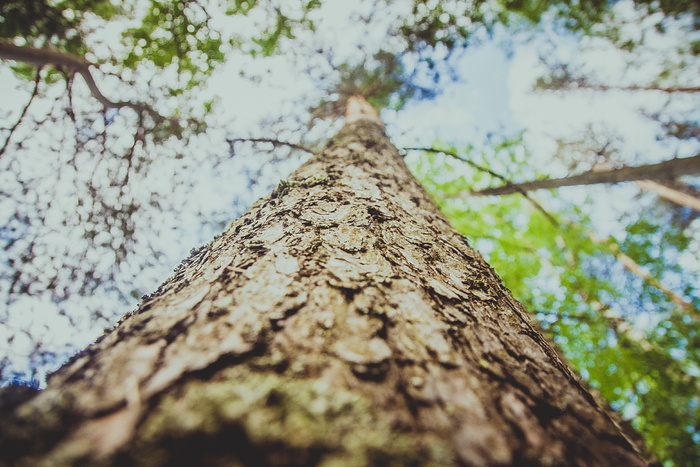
341,320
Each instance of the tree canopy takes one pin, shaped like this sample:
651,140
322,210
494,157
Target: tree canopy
97,199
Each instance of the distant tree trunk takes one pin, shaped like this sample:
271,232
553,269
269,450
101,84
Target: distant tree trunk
341,321
671,194
664,170
633,267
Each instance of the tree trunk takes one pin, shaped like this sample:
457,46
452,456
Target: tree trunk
341,321
670,194
663,170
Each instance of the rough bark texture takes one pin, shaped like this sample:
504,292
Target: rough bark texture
663,170
342,321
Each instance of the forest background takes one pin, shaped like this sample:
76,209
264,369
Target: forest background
205,106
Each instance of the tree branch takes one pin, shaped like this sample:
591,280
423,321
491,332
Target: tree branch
664,170
480,168
35,92
274,142
77,65
573,86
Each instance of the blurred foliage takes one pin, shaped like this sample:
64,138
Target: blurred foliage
451,24
626,337
45,23
434,30
181,33
175,33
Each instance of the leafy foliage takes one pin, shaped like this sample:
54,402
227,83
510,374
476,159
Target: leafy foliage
452,24
44,23
175,33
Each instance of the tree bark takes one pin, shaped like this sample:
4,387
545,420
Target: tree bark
340,322
664,170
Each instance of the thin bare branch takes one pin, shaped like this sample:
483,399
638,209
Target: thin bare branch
63,60
35,92
274,142
633,88
481,168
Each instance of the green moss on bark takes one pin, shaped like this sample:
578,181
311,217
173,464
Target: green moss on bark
307,417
